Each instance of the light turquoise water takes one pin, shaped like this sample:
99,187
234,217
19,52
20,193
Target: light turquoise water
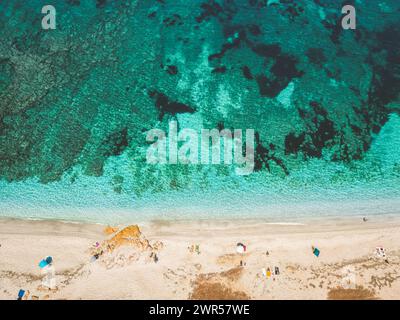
316,190
76,103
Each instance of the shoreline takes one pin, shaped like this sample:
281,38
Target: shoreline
330,220
285,208
130,273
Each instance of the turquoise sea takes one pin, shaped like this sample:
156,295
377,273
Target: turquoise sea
77,101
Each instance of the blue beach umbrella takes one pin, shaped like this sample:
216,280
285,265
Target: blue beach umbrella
21,294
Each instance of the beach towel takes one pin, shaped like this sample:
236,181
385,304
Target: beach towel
380,252
21,294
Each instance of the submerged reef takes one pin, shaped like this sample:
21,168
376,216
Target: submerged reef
75,98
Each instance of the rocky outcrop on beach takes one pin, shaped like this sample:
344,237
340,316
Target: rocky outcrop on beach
126,246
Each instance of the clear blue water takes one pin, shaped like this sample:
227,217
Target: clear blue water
76,103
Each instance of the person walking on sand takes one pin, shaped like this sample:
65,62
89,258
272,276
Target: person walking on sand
315,251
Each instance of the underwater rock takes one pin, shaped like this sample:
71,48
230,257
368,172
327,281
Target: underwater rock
165,105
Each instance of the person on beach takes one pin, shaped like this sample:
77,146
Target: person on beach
315,251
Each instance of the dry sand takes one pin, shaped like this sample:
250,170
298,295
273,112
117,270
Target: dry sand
347,267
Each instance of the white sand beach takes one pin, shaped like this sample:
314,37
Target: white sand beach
347,267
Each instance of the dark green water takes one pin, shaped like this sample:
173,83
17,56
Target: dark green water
76,103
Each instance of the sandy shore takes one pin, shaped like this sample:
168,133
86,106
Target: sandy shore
347,266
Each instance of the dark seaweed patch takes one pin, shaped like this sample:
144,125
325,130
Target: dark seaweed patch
291,9
283,71
385,83
221,69
225,48
172,70
175,19
258,3
264,155
320,133
165,105
211,9
74,2
247,73
101,3
268,88
333,25
254,29
386,78
214,9
235,36
293,143
152,15
115,143
316,56
267,50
